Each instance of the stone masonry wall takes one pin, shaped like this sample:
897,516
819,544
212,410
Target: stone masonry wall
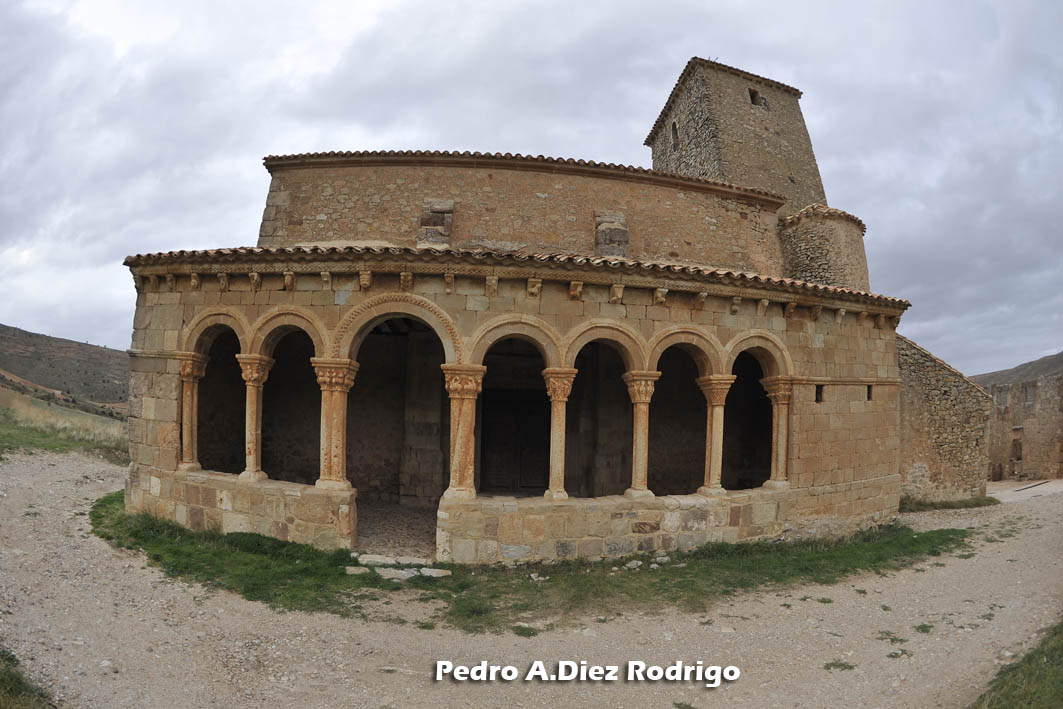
724,135
507,209
944,438
824,245
1029,413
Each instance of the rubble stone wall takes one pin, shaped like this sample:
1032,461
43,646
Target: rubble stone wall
1029,414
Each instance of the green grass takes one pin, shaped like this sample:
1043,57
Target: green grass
913,504
1034,681
15,436
838,665
478,599
15,691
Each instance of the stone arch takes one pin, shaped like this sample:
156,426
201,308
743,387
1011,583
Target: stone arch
704,348
272,326
629,344
523,327
766,347
206,326
361,319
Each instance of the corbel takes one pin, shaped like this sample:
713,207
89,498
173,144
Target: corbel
326,280
406,280
880,321
491,286
862,317
788,311
659,296
138,283
535,286
365,280
735,303
894,322
762,306
223,282
171,282
575,290
256,280
616,293
838,315
193,281
289,280
699,300
448,283
153,282
817,310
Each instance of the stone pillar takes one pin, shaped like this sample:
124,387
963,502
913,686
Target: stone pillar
193,367
779,390
335,377
255,369
715,388
558,387
640,389
464,383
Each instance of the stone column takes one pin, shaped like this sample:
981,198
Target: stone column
255,369
464,383
779,390
640,389
558,387
715,388
335,377
193,367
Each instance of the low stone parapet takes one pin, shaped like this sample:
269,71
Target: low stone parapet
490,529
203,499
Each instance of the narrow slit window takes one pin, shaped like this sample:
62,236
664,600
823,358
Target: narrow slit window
819,393
754,97
869,392
675,136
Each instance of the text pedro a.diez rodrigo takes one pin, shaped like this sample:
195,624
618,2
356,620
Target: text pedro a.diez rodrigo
572,671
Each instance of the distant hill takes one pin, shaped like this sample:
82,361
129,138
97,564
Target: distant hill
1046,366
78,369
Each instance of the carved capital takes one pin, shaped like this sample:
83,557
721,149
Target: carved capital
715,388
463,381
193,365
779,389
254,368
640,385
334,374
559,382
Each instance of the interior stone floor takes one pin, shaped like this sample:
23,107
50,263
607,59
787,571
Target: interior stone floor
396,530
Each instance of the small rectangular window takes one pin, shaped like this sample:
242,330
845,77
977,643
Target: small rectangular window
819,393
754,97
869,392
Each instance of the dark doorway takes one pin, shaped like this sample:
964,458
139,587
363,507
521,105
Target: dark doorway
677,427
514,421
220,433
291,413
746,428
599,425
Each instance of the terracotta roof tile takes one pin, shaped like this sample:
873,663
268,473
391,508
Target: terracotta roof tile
507,258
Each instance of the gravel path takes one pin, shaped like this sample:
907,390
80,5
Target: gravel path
99,628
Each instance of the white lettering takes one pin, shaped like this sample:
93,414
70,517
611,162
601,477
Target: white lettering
635,671
537,671
443,668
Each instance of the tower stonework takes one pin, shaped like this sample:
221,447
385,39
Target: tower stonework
726,124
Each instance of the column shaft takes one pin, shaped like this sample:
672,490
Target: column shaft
464,383
640,389
193,367
715,388
335,377
779,391
558,387
255,370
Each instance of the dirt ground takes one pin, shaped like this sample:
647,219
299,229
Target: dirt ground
99,628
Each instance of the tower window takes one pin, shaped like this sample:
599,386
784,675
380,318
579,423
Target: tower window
756,99
869,392
675,136
819,393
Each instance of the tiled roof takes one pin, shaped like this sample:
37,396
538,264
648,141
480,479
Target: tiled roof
689,69
509,160
663,269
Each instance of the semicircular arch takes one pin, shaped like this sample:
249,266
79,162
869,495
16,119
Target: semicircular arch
704,348
358,321
523,327
631,346
272,326
204,328
766,347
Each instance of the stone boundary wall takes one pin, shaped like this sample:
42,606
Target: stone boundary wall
517,206
519,530
200,500
944,436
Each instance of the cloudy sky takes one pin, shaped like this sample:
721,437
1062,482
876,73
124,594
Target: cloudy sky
132,127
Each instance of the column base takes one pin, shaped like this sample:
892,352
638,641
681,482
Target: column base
329,484
189,467
253,475
633,494
454,494
711,491
555,495
776,485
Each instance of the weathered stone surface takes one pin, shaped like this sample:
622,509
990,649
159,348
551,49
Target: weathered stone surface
377,560
396,574
435,573
356,570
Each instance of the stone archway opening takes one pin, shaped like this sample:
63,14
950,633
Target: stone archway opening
599,426
677,427
220,415
398,437
747,433
514,421
291,412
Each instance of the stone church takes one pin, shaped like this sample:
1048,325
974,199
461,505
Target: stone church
554,358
